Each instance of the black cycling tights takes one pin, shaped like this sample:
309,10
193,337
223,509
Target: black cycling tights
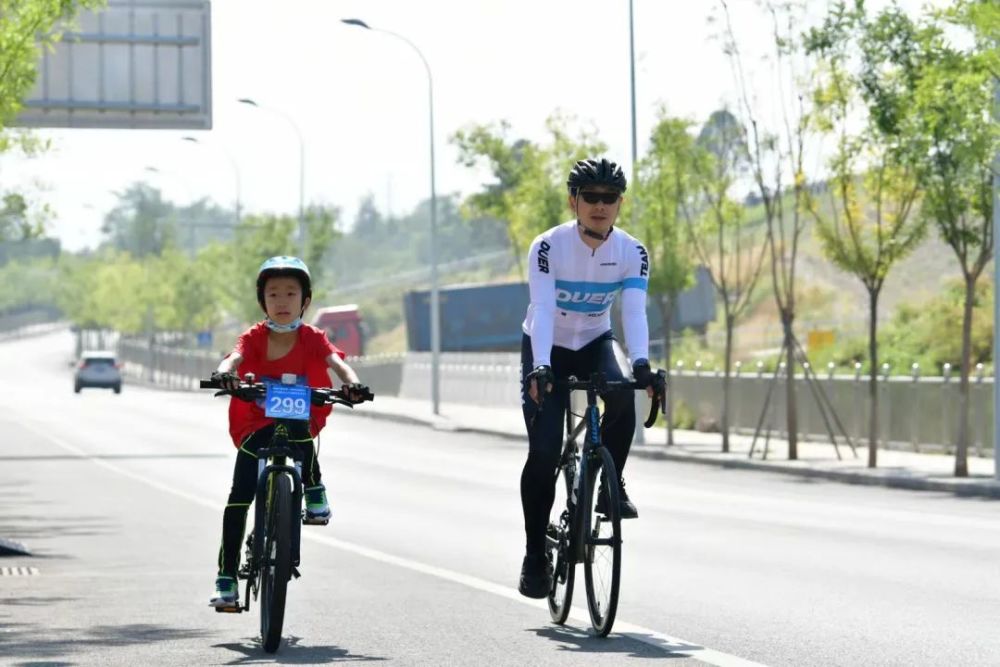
545,435
245,487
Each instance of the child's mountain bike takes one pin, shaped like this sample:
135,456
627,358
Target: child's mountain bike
272,547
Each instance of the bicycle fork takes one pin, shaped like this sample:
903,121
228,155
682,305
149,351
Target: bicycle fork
591,442
265,473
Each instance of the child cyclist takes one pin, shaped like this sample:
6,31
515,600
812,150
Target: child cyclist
280,344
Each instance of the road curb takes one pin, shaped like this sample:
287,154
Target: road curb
986,489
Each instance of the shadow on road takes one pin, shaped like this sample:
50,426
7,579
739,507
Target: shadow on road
291,652
25,527
585,641
33,601
35,642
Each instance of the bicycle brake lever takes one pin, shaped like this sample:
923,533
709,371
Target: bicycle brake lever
659,401
651,419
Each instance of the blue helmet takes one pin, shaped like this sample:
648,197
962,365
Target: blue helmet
284,266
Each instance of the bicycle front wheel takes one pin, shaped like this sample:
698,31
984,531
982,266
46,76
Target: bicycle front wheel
276,564
560,554
602,541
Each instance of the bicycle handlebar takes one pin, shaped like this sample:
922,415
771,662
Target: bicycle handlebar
601,386
319,396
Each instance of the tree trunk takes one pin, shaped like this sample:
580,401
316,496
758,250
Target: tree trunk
727,381
961,451
791,422
873,378
666,315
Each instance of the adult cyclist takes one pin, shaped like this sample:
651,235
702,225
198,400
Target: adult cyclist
575,271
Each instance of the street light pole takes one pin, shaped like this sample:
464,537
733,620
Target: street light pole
435,305
996,292
302,167
639,437
236,172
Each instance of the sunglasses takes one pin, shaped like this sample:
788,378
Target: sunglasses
592,197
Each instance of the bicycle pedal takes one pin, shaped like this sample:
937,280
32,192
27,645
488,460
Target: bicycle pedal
315,522
237,609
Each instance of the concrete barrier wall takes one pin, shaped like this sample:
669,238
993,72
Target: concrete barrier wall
921,414
489,378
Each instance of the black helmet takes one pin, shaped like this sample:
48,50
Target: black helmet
596,172
285,267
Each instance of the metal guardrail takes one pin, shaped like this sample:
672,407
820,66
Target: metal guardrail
169,367
30,323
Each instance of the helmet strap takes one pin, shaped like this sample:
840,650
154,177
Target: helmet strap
592,234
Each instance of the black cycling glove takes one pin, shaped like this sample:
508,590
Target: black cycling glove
645,377
357,391
225,380
543,377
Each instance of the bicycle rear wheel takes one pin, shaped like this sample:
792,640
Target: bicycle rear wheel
276,564
602,542
558,549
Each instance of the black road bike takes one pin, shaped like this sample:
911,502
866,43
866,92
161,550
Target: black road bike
588,527
272,547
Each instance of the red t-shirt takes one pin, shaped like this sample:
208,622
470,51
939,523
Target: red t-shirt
306,359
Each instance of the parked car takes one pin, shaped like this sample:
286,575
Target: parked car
98,369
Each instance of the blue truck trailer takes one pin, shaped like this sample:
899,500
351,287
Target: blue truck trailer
487,317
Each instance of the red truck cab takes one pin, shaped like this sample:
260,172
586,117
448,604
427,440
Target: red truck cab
342,325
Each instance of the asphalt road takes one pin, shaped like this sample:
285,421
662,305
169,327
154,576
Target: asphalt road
120,499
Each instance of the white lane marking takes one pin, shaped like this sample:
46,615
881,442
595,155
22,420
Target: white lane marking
73,449
662,641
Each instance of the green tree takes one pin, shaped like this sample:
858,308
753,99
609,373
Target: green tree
662,184
18,222
107,291
184,293
261,236
870,222
27,27
777,165
953,102
529,192
142,223
38,273
322,232
722,240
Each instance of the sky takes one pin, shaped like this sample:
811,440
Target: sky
360,99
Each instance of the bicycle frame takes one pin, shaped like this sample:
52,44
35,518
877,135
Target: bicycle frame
591,422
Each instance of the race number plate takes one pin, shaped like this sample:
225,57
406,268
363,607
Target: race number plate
287,401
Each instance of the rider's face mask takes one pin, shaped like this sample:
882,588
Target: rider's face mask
283,328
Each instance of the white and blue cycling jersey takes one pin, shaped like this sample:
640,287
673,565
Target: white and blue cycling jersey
572,287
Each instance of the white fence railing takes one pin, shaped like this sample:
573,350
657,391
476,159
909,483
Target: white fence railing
917,413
